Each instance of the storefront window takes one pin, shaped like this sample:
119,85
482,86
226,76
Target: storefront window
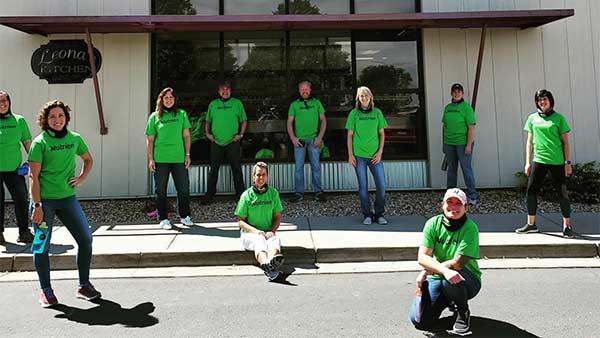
319,7
236,7
384,6
186,7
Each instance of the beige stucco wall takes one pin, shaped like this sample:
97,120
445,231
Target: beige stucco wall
563,57
120,156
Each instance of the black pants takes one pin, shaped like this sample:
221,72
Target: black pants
218,154
536,178
18,190
182,185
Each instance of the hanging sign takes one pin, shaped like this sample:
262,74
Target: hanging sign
64,61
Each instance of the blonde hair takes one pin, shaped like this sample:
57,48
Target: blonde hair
260,165
364,90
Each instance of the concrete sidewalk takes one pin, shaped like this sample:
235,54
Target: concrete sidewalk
306,240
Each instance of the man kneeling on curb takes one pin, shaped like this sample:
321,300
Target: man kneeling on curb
450,275
259,216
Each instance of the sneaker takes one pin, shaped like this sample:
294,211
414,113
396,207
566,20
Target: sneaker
47,298
568,232
527,228
381,220
320,197
473,202
272,275
276,262
25,237
367,220
87,292
462,324
2,239
166,224
297,198
187,221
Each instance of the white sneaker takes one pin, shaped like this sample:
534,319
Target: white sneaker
187,221
367,220
166,224
381,220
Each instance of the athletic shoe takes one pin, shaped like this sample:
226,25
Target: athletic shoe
272,275
47,298
320,197
276,262
87,292
297,198
166,224
187,221
25,237
527,228
367,220
462,324
381,220
568,232
2,239
473,203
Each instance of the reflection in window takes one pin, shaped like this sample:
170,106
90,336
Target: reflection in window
186,7
319,7
234,7
384,6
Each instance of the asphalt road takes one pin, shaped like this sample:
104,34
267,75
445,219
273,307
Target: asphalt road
512,303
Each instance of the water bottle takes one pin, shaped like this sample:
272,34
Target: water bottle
40,241
23,169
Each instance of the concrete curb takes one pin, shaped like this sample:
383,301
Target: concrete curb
297,255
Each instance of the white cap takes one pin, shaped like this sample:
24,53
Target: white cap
455,192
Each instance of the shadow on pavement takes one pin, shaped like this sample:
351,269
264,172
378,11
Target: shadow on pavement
54,248
481,327
109,313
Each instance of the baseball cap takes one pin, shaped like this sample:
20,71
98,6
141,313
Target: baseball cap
457,86
455,192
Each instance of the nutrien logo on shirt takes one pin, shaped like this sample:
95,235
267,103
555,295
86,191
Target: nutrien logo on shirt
171,120
224,107
447,242
453,110
62,147
8,127
366,118
259,203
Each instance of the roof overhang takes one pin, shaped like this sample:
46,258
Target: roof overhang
45,25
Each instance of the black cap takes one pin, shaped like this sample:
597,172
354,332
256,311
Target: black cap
457,86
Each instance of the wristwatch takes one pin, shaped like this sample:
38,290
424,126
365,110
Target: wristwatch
567,162
37,204
241,135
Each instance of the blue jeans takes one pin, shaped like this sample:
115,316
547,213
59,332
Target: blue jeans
315,166
454,155
182,185
363,186
70,214
437,294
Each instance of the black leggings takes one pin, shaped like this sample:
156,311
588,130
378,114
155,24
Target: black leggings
536,178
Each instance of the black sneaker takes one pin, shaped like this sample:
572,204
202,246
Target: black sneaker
276,262
272,275
568,232
527,228
2,239
320,197
25,237
297,198
462,324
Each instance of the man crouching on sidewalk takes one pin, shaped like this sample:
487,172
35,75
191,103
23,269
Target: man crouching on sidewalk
451,276
259,216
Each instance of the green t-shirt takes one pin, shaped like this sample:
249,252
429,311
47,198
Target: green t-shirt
447,244
57,156
13,131
365,126
547,144
168,135
456,119
258,209
225,118
306,117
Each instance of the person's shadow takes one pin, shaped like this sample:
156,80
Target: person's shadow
480,326
109,313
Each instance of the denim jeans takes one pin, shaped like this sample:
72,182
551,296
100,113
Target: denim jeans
18,191
218,154
315,166
438,293
362,164
182,185
70,214
454,155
